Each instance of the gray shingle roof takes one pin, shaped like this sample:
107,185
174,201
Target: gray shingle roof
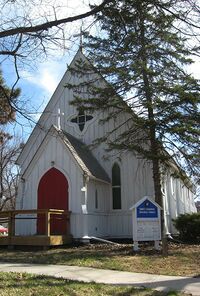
84,157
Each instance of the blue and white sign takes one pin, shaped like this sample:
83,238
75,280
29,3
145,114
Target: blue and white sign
146,222
147,210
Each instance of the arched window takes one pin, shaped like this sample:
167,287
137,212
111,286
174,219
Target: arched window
116,187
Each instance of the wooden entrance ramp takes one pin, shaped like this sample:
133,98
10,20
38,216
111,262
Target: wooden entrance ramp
45,239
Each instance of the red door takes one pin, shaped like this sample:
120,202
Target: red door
53,194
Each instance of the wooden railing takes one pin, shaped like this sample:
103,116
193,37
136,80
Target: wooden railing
10,217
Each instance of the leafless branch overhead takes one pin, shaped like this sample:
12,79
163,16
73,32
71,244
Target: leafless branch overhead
49,24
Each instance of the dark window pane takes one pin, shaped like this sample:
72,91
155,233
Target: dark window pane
116,192
116,175
74,120
96,199
81,126
81,119
116,187
89,117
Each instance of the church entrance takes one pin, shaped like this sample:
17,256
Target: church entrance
53,194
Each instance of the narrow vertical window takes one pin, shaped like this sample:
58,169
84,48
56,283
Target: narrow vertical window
96,199
116,187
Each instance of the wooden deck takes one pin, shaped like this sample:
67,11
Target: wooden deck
46,239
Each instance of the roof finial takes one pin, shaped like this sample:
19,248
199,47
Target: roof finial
81,37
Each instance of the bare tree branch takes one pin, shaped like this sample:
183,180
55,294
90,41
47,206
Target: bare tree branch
49,24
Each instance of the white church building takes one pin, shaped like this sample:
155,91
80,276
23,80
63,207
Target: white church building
59,170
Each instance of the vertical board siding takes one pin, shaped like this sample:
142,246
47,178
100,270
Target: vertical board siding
178,199
120,225
66,165
136,173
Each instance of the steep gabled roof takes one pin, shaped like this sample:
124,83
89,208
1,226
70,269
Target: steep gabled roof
83,157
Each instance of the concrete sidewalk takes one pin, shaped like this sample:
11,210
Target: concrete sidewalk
86,274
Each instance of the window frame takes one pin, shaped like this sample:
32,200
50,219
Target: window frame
96,200
117,186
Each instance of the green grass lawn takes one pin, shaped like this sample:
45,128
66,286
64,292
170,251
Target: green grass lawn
21,284
182,259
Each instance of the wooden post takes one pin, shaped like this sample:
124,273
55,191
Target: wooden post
47,216
11,228
13,224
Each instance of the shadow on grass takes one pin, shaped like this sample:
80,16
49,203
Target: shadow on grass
145,292
57,255
38,285
61,257
22,280
116,257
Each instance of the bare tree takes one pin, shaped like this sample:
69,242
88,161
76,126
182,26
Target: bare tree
9,150
29,30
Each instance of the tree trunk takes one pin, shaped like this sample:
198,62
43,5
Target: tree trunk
159,195
154,144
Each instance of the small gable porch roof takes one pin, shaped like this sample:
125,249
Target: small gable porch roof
80,153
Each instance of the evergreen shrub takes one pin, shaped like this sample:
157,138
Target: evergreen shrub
188,226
